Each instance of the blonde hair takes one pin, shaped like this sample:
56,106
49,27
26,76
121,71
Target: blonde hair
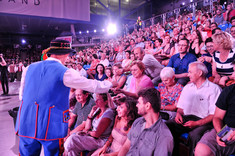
222,39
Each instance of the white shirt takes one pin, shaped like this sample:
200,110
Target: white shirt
73,79
152,66
82,72
199,101
105,62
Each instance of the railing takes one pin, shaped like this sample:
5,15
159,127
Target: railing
190,7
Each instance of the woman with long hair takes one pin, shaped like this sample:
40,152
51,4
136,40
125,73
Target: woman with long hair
196,44
126,115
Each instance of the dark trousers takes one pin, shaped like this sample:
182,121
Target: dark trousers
18,75
194,134
32,147
4,81
138,27
12,77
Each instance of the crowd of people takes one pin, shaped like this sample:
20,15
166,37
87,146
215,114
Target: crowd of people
166,80
188,63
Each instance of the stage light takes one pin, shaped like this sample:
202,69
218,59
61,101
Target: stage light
111,29
183,3
23,41
94,31
103,30
191,0
87,31
80,32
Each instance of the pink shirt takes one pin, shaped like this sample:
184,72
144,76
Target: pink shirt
144,83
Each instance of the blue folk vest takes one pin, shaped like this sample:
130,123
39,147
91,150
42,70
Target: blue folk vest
43,112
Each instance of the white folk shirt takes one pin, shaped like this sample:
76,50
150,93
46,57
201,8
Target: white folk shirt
73,79
199,101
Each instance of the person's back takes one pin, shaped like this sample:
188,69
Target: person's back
41,104
44,94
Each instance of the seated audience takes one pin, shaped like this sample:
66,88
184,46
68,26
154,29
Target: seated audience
132,57
166,50
181,61
152,66
214,25
127,61
81,70
196,44
207,57
211,144
112,56
94,132
126,115
195,108
94,63
232,30
232,77
230,12
103,59
118,75
157,47
187,33
109,73
218,18
100,73
175,49
138,82
82,108
120,55
148,135
132,45
170,91
224,55
207,28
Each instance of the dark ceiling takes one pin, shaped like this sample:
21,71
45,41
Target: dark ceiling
40,30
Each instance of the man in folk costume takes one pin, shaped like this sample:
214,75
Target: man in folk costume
44,93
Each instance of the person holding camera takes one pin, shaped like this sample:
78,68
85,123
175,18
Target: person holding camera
4,77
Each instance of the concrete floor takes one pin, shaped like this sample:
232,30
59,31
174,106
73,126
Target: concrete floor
9,142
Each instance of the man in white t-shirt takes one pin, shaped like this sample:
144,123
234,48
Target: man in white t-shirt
196,106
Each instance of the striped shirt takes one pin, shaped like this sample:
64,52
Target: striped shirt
224,68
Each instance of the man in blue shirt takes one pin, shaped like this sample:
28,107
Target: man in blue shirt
181,61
